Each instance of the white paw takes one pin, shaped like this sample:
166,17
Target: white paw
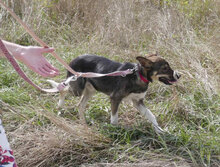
158,129
61,103
114,122
114,119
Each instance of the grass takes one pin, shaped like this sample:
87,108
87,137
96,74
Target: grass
183,32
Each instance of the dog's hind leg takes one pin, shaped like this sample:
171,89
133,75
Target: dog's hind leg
139,105
87,93
63,94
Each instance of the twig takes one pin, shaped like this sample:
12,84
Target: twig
4,107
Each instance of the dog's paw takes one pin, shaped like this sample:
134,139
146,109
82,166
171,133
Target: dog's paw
114,123
158,129
61,112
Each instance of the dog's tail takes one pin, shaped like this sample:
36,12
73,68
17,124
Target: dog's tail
53,83
59,87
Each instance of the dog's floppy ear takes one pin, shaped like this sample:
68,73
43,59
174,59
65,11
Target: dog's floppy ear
144,62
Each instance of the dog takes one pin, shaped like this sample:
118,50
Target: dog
118,88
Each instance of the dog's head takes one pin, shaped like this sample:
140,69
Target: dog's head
156,68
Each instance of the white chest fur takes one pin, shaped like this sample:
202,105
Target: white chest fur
134,96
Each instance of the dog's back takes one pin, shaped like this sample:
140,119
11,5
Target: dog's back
93,63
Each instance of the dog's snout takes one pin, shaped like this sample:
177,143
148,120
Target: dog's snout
176,75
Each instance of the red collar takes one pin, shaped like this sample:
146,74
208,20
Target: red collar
142,78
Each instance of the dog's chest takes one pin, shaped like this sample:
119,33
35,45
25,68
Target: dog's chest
135,96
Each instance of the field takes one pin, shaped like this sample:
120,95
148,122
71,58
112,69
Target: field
184,32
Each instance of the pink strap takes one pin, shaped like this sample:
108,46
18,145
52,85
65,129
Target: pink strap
115,73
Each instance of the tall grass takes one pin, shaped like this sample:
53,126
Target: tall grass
186,33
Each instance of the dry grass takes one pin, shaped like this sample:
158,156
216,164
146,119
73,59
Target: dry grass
150,163
60,143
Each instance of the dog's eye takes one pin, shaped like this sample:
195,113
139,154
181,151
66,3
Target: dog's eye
165,68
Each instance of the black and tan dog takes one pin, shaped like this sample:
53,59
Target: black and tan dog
118,88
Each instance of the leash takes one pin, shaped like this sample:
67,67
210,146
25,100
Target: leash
43,44
62,85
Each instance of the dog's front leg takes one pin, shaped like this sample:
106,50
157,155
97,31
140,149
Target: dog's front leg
139,105
114,107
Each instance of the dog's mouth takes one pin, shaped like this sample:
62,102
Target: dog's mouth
167,81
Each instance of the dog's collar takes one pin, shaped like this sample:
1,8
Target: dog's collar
137,69
142,78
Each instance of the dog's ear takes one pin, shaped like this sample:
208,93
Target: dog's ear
152,55
144,62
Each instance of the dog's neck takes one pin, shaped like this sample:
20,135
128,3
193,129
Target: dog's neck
141,76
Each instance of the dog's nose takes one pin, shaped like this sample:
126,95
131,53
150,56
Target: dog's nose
176,75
